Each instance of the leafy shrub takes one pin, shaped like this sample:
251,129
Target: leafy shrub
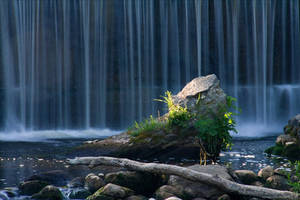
178,116
294,176
214,131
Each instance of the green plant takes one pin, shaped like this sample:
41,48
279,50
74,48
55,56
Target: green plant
294,176
148,125
178,116
214,130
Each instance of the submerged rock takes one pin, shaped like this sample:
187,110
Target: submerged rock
50,192
79,193
32,187
55,177
76,182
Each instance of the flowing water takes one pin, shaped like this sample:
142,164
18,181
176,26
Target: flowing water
97,64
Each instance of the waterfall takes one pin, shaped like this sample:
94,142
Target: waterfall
99,64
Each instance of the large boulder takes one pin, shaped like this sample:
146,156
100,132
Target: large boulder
201,94
142,183
190,189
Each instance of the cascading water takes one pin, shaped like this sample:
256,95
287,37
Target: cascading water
98,64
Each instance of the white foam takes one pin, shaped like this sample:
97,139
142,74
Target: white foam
35,136
256,130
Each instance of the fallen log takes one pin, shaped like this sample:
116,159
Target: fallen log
223,184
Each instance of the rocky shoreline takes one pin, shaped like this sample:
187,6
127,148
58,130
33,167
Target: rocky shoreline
134,185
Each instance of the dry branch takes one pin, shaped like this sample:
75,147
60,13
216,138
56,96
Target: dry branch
222,183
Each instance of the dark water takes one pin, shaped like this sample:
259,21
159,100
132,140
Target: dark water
19,160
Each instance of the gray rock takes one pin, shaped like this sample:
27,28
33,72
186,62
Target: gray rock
49,192
195,189
295,121
167,191
32,187
142,183
246,176
224,197
284,139
93,182
266,172
209,90
110,192
76,182
79,193
278,182
173,198
136,197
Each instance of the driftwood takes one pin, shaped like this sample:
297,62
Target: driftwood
222,183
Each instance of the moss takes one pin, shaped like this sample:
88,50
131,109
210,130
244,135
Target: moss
98,196
275,150
292,152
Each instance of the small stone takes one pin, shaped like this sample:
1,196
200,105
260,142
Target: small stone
278,182
173,198
283,139
224,197
79,193
55,177
76,182
49,192
167,191
136,197
266,172
246,176
93,182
